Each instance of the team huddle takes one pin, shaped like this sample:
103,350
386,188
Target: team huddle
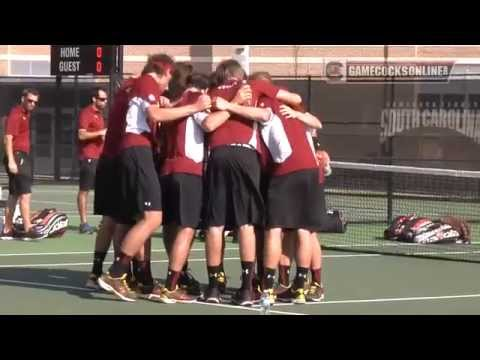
216,153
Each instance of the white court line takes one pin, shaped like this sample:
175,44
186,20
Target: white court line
57,277
73,191
67,287
52,202
91,252
248,308
446,253
379,244
46,265
44,284
89,263
163,250
422,298
153,261
74,213
419,298
350,255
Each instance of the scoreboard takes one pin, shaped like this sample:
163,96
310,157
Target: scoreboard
81,59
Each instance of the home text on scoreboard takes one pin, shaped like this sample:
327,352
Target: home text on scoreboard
81,59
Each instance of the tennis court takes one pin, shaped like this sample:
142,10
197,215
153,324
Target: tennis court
47,277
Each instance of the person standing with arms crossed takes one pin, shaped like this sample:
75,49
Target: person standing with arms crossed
91,137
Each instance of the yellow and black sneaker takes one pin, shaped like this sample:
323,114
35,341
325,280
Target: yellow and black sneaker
316,292
178,295
298,296
222,282
117,286
154,292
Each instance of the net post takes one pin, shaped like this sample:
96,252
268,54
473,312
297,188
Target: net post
3,205
390,198
57,129
76,100
389,94
309,93
116,74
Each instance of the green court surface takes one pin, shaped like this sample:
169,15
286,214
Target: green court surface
47,277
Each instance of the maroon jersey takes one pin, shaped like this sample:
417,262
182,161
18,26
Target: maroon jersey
17,124
91,120
138,130
238,130
302,155
262,88
183,141
117,119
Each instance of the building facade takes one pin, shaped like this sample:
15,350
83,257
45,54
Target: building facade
422,124
280,60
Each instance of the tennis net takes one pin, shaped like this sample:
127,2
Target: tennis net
371,195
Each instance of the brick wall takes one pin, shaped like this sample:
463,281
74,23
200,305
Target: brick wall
287,60
297,60
3,67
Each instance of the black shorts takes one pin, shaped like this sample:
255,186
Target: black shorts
264,182
296,201
20,183
139,186
182,199
233,195
106,187
88,167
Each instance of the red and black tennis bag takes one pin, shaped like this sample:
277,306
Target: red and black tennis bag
421,230
425,231
48,223
395,230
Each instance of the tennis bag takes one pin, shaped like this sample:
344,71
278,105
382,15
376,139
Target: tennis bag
460,225
48,223
425,231
395,230
334,222
421,230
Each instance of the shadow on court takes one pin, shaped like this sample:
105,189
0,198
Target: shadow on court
76,229
66,281
62,280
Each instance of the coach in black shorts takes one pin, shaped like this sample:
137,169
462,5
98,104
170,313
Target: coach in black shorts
91,136
17,161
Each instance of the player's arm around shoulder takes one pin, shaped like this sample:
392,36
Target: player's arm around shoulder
256,114
308,119
156,113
